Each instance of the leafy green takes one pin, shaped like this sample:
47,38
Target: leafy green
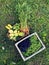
35,45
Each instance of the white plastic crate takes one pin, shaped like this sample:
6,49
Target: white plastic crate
43,46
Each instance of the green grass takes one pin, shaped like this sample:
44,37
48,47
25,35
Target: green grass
39,22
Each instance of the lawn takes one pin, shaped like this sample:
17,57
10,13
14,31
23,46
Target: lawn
38,22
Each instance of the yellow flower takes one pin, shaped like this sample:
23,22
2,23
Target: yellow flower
11,35
7,27
16,34
14,38
10,31
10,26
15,31
21,34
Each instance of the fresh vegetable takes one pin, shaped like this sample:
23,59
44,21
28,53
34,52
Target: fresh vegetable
14,32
